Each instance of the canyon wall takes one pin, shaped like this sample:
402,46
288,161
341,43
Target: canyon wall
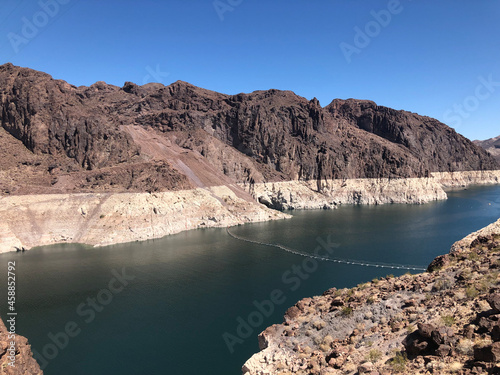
100,219
59,138
105,164
109,218
329,193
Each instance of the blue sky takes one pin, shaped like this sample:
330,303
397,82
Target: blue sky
436,58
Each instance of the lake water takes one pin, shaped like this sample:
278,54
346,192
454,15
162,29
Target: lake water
188,293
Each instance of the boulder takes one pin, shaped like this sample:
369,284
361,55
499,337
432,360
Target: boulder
489,353
494,301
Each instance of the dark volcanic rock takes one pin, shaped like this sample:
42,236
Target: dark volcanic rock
263,136
494,301
491,145
397,325
489,353
439,146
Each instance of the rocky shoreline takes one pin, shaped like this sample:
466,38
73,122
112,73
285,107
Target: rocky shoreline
446,320
101,219
23,361
110,218
330,193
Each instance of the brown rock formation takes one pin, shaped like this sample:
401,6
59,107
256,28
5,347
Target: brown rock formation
491,145
24,363
58,138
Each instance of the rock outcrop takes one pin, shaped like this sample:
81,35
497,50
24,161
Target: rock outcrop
58,138
491,145
267,148
306,195
23,362
329,193
446,320
109,218
100,219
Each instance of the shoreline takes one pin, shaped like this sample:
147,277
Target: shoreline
339,331
101,219
327,194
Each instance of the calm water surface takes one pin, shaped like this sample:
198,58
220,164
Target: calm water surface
191,288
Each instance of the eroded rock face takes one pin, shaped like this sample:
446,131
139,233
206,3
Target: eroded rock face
491,145
155,137
446,320
439,147
24,363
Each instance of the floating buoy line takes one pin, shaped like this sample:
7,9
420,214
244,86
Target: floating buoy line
328,259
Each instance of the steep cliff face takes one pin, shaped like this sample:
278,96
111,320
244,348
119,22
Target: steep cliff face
53,133
152,137
438,147
491,145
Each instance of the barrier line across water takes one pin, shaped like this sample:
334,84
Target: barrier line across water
328,259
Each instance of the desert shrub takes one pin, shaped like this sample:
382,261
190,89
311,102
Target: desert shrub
374,355
448,320
327,340
471,292
455,367
442,284
346,311
491,278
473,256
398,362
319,324
465,347
362,286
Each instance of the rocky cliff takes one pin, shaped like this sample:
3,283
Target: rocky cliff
23,362
58,138
107,218
446,320
125,155
491,145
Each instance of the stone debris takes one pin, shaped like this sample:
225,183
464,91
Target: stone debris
446,320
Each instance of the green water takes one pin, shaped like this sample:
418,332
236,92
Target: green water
189,289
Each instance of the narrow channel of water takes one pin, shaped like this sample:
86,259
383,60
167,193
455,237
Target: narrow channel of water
190,291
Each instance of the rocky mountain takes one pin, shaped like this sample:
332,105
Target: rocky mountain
491,145
56,138
443,321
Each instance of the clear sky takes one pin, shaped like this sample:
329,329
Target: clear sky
437,58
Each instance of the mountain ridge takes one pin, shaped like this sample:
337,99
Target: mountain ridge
491,145
82,139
